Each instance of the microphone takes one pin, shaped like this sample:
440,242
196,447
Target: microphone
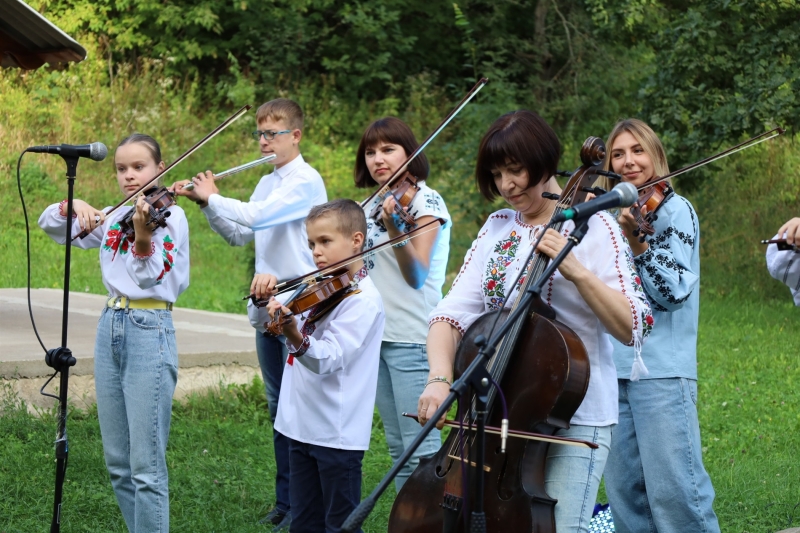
95,151
623,195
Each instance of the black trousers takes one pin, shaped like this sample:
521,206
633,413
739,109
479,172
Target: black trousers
325,486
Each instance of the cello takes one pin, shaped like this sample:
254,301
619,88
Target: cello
543,370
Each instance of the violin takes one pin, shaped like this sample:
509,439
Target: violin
227,122
160,200
403,191
543,370
309,294
401,184
325,285
651,198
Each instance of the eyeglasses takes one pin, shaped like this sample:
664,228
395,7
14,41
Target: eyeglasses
268,135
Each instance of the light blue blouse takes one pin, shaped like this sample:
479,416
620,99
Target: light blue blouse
670,274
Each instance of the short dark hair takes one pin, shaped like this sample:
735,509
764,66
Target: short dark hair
151,144
521,137
390,130
349,216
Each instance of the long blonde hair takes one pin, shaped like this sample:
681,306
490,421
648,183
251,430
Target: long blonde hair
646,138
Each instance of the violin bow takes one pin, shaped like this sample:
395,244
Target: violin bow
230,120
397,173
749,143
517,434
321,272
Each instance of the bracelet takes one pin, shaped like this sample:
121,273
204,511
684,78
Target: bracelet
400,244
438,379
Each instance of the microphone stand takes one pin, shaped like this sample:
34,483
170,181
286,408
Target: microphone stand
477,377
61,359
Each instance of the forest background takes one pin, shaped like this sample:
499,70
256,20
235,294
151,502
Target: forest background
704,74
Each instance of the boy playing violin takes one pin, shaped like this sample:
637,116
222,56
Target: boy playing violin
331,376
274,218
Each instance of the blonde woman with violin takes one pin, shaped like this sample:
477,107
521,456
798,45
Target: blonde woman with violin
409,278
655,479
135,356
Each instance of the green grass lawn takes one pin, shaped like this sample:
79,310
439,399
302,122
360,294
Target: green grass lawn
221,465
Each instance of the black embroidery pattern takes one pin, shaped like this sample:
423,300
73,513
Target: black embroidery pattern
661,240
691,214
647,260
661,285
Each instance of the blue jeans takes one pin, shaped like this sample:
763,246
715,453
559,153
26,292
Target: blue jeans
326,487
655,478
572,476
402,375
272,355
135,371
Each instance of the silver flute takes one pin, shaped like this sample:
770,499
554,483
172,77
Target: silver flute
235,170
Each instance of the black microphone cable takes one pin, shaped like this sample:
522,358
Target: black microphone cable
28,257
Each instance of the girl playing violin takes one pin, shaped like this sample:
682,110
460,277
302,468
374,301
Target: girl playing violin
594,292
135,356
655,477
409,278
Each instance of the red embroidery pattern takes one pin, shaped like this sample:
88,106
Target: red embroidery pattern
152,251
61,209
114,242
455,323
634,313
519,221
304,346
469,258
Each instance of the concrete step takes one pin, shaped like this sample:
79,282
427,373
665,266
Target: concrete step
213,348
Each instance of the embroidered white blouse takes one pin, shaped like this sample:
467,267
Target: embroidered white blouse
328,392
497,256
275,217
162,275
407,308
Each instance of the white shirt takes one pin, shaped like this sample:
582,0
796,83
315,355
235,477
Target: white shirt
497,256
407,308
784,265
275,217
328,393
162,275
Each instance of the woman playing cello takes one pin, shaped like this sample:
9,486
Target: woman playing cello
594,292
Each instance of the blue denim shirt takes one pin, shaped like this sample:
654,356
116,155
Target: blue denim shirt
670,275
